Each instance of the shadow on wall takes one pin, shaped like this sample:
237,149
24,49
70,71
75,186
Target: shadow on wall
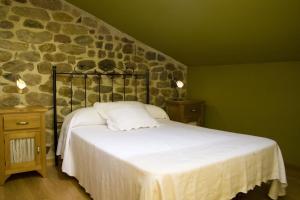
257,99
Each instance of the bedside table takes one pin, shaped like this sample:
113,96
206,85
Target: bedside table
22,141
186,111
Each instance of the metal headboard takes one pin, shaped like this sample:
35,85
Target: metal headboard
84,75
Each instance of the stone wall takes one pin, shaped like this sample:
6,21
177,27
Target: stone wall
37,34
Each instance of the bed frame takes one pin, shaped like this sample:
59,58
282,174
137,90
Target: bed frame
84,75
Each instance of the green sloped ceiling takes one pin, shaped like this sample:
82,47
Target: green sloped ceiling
205,32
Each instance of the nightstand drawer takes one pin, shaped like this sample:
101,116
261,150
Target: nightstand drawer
192,111
21,121
186,111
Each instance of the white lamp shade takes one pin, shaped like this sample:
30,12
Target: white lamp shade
21,84
179,84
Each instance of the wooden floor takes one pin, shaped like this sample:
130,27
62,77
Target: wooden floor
58,186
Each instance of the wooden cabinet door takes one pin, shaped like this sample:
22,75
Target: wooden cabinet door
22,151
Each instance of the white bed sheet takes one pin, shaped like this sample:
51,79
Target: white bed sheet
173,162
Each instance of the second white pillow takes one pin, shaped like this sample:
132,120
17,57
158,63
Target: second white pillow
156,112
125,115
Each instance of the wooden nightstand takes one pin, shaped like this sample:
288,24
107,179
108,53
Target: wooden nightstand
186,111
22,141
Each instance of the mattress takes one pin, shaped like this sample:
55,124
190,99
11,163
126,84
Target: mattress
172,162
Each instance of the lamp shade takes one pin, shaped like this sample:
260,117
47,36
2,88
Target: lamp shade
179,84
21,84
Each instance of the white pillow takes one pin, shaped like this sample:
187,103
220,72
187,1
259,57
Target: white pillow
125,115
87,116
156,112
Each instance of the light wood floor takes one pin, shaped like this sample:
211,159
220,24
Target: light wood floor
30,186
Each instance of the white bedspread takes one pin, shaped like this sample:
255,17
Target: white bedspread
172,162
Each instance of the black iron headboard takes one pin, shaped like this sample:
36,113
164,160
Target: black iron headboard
84,75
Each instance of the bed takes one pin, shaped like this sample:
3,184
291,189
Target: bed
174,161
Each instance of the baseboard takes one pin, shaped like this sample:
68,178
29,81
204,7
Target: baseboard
292,166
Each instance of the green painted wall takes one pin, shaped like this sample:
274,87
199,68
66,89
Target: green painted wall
208,31
257,99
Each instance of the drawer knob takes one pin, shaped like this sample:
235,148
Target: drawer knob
194,110
22,123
